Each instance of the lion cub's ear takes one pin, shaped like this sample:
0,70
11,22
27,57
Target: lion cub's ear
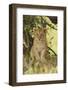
33,32
34,29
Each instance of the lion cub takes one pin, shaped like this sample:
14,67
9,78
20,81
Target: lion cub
40,59
39,49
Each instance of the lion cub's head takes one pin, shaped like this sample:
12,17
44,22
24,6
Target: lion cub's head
39,33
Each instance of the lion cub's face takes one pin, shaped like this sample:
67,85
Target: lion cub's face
39,33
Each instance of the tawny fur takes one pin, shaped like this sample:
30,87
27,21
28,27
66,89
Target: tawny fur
39,48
